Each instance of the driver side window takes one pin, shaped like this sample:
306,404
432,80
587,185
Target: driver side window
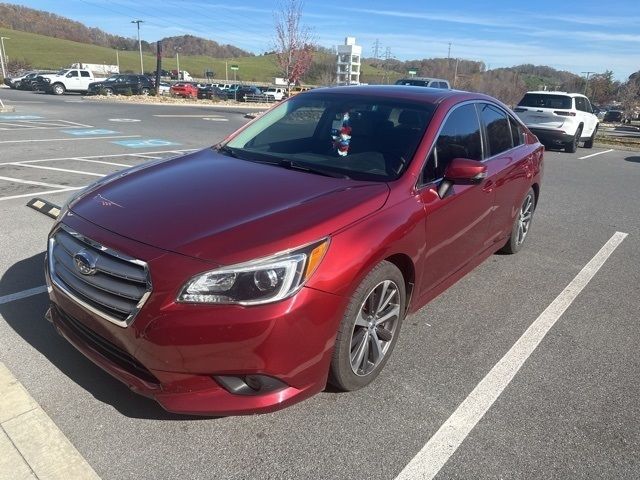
459,138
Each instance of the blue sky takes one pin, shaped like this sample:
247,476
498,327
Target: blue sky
579,36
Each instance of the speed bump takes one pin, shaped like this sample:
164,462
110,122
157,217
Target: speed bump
47,208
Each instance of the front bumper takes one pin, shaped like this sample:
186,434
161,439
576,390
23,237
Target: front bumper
172,352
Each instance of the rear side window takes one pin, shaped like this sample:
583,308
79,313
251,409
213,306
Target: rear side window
497,128
84,74
459,138
541,100
413,82
581,104
517,133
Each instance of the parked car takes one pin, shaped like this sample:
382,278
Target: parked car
245,90
66,80
614,116
185,90
424,82
119,84
25,82
164,88
559,118
210,91
14,82
310,258
276,93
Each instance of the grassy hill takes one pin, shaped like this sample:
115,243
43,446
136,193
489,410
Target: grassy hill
53,53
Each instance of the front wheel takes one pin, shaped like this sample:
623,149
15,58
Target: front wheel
58,89
521,224
145,91
369,328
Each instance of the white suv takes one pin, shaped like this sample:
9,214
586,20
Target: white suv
559,118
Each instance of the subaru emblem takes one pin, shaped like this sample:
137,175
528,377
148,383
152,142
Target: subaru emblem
85,262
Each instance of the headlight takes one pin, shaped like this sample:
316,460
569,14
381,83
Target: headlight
265,280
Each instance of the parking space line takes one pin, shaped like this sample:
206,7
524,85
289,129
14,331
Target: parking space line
81,159
186,116
69,139
113,155
594,154
33,182
23,294
142,155
42,167
443,444
38,194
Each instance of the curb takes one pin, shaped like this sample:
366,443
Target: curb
31,445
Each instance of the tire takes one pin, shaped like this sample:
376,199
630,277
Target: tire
145,91
57,89
572,146
589,143
369,330
15,86
521,224
108,91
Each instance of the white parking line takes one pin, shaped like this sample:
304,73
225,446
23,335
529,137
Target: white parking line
81,159
143,155
433,456
115,155
37,194
79,172
594,154
69,139
23,294
32,182
185,116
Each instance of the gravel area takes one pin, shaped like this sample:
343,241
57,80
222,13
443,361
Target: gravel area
165,100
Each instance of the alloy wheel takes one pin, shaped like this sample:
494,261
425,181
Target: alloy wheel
374,327
524,219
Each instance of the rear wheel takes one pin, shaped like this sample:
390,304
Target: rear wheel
589,143
58,89
369,328
521,224
572,146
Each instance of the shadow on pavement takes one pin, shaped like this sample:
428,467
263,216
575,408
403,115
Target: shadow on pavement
26,317
633,159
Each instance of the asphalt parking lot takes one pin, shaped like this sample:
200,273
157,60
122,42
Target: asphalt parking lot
570,411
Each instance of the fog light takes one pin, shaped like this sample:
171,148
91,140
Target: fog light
249,384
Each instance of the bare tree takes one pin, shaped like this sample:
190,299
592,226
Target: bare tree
292,42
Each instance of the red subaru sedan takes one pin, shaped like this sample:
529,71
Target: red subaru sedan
244,277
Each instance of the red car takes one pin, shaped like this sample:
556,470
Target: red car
185,90
241,278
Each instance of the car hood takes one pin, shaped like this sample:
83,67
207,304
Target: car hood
223,209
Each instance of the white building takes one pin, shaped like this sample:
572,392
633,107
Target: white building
348,64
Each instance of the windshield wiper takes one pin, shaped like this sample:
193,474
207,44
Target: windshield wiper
291,165
227,151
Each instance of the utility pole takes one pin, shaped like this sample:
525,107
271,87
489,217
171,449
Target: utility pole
118,58
138,22
449,52
455,75
3,55
586,83
178,61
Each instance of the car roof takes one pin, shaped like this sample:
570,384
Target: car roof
556,92
425,95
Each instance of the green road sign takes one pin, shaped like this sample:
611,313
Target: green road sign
412,72
234,67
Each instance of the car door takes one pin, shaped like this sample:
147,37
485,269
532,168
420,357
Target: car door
85,79
589,120
457,224
72,81
508,162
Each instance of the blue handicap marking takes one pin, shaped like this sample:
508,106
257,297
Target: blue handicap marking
145,143
89,131
19,117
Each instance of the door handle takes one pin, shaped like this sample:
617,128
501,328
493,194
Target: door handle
488,186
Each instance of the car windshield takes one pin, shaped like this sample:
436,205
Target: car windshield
542,100
360,137
62,72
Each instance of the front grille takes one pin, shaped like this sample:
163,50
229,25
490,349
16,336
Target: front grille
106,348
106,282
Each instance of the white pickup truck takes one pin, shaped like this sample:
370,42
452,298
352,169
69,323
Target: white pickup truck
67,80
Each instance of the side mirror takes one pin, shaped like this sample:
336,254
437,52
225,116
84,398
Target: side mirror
462,171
